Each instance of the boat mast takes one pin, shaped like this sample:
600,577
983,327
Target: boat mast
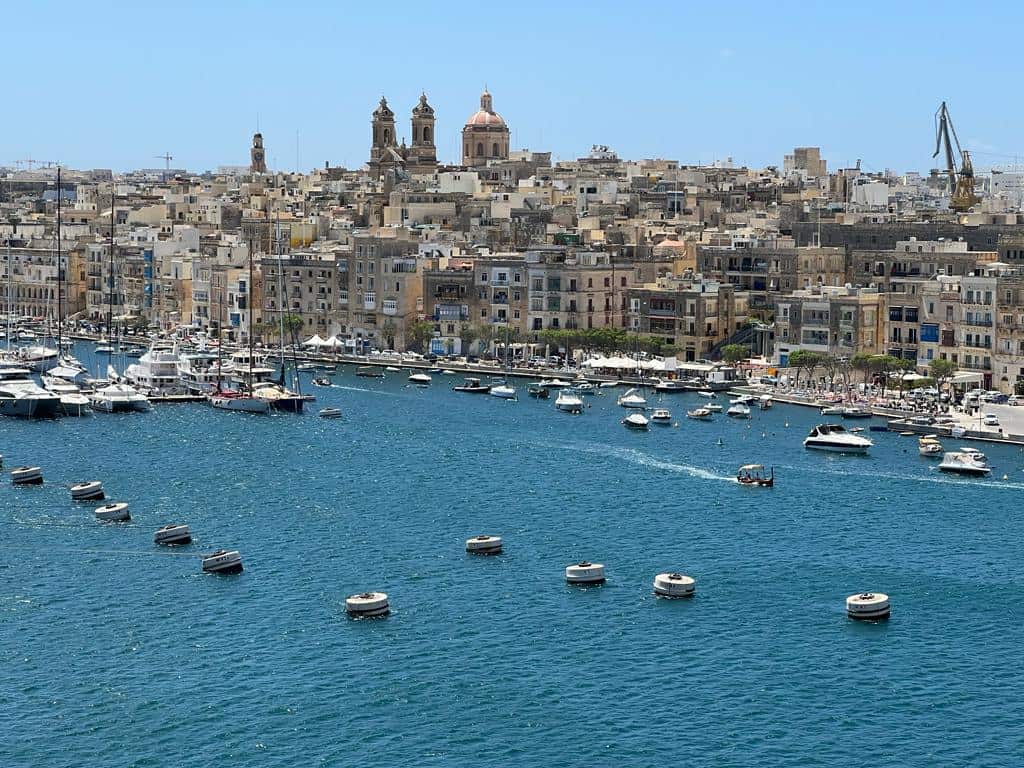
60,277
280,289
110,270
249,306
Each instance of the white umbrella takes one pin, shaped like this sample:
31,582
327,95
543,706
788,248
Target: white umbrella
316,341
333,342
597,362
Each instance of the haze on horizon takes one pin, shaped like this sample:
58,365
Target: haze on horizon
112,85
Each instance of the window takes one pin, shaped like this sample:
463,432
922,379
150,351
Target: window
483,277
483,312
494,150
389,305
622,282
479,149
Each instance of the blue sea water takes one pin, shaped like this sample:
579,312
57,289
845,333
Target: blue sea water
116,653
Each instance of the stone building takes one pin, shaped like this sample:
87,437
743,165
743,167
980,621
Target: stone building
388,155
485,136
257,155
837,321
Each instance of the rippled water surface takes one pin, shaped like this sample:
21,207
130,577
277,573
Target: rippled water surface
114,652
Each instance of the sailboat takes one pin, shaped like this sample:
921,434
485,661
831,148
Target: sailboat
228,399
505,390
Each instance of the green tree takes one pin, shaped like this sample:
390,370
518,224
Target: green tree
468,334
862,362
903,367
801,360
883,365
734,353
419,334
485,334
942,371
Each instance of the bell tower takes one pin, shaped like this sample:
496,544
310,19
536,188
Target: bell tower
383,131
424,151
257,155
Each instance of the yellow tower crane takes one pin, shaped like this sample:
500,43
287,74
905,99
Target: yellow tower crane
961,184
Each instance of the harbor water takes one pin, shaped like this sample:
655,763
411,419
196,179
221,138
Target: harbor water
114,652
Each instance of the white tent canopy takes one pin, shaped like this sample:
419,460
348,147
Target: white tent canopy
316,341
333,342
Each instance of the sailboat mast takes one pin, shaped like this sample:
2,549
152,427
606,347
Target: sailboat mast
110,270
248,305
60,276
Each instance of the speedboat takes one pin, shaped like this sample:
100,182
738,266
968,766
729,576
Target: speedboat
505,391
636,421
554,384
713,407
632,399
738,411
330,413
853,412
834,437
229,400
420,379
701,414
708,394
569,401
661,416
929,446
472,386
754,475
832,410
119,398
21,396
965,463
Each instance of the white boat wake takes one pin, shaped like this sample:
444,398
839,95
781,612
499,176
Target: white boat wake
633,456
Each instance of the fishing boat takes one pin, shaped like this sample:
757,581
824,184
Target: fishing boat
636,421
965,463
471,385
834,437
738,411
754,475
330,413
661,416
536,390
569,401
929,446
700,414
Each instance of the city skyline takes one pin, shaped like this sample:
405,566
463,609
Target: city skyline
684,83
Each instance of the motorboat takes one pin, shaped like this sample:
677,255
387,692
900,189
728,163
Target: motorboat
669,385
420,379
700,414
157,370
504,391
713,407
38,358
305,367
69,370
754,475
322,381
636,421
20,396
119,398
832,410
229,400
929,446
172,535
392,369
330,413
765,402
661,416
834,437
569,401
743,400
738,411
554,384
853,412
472,386
585,388
447,372
72,401
607,384
279,397
536,390
965,463
708,394
103,348
223,561
632,399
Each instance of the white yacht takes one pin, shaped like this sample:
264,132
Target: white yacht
504,391
237,401
554,384
39,358
965,463
119,398
279,397
569,401
420,379
669,385
198,372
636,421
157,370
632,399
834,437
738,410
21,396
72,401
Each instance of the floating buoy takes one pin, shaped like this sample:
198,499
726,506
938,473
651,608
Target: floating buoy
91,490
1006,477
585,573
786,424
223,561
368,605
115,512
1,461
868,605
720,442
27,476
674,585
484,545
173,534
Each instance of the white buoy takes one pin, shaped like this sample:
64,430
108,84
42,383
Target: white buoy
484,545
674,585
173,534
1,461
114,512
868,605
91,490
368,605
585,573
223,561
27,476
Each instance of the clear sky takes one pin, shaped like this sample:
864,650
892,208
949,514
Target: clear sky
112,85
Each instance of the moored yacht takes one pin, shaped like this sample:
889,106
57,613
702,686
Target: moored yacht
636,421
472,386
834,437
965,463
420,379
279,397
72,401
230,400
929,446
39,358
738,411
198,372
700,414
569,401
21,396
119,398
632,399
157,371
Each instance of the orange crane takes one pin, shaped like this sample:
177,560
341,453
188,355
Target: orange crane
961,184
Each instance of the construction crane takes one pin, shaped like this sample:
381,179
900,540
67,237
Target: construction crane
166,157
961,184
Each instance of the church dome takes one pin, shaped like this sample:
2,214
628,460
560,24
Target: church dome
485,117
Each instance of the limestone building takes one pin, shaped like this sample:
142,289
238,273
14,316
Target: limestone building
388,155
257,155
485,136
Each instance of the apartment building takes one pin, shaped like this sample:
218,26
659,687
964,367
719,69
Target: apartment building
837,321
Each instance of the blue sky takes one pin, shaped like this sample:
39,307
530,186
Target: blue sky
106,84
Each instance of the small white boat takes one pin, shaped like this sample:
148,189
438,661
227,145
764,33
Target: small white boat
553,384
173,534
420,379
306,367
223,561
834,437
713,407
607,384
765,402
586,388
569,401
929,446
738,411
114,512
234,401
853,412
448,372
832,410
743,400
965,463
709,395
661,416
392,369
636,421
330,413
632,399
504,391
700,414
104,349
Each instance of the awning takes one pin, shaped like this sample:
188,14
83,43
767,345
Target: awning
316,341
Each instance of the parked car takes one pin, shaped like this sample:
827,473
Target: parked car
991,420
